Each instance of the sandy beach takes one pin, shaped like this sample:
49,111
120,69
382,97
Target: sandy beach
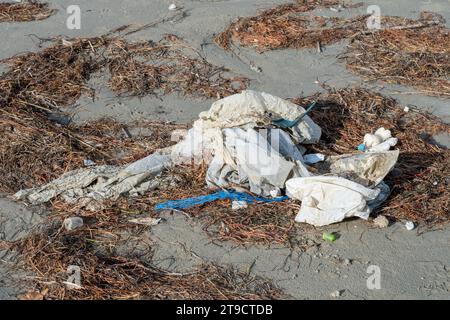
413,264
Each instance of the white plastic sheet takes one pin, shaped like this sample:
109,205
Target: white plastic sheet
328,199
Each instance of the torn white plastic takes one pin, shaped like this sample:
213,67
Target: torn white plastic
247,158
99,182
245,110
327,199
381,140
368,169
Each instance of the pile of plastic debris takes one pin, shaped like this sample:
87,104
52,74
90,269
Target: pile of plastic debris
254,146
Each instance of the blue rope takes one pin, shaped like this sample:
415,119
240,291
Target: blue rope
197,201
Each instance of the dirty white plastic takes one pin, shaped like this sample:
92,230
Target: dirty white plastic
329,199
383,133
385,146
371,140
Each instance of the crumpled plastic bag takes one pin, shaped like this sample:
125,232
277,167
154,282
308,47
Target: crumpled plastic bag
247,157
99,182
249,109
368,169
245,110
329,199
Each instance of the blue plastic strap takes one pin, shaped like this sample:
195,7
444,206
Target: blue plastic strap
197,201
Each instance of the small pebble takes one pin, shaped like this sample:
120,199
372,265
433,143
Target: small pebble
73,223
347,262
381,221
173,7
337,293
406,109
255,68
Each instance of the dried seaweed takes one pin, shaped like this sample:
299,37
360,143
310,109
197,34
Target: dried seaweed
414,57
168,66
50,253
35,150
278,27
24,11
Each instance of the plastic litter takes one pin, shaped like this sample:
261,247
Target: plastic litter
383,133
371,140
329,236
314,158
361,147
322,199
285,124
147,221
381,140
409,225
73,223
221,195
88,163
249,160
251,141
368,169
249,109
237,205
96,183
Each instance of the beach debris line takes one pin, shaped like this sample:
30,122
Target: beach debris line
295,26
412,52
24,11
287,26
167,66
416,57
35,79
106,275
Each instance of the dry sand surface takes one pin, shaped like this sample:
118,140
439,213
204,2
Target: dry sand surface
412,264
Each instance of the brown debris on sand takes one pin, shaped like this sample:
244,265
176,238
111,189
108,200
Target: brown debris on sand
53,77
25,11
106,275
295,26
35,150
414,57
168,66
282,27
403,51
58,75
